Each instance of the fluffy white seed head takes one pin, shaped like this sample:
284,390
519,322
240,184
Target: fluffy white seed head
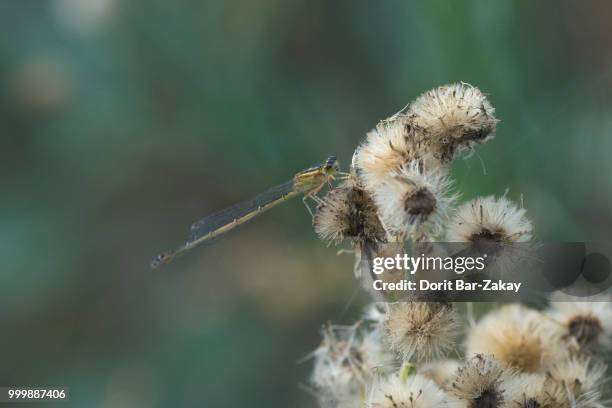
347,211
331,219
420,330
338,359
587,326
495,227
452,118
479,383
518,337
489,219
377,358
415,391
533,391
578,378
384,150
345,363
411,199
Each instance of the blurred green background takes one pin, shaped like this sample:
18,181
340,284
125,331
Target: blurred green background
124,121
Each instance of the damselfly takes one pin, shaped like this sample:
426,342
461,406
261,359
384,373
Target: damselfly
306,182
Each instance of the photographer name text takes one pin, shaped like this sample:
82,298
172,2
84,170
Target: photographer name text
486,285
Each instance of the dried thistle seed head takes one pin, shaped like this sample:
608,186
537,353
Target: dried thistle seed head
419,330
585,329
587,325
412,197
363,218
518,337
331,222
336,383
578,377
338,362
495,228
533,391
415,391
348,211
451,118
347,360
489,220
442,372
479,383
385,150
377,358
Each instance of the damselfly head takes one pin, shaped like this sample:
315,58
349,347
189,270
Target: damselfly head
331,165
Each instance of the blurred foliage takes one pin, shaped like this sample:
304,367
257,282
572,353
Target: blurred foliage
124,121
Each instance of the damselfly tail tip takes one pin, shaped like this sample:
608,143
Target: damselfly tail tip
162,259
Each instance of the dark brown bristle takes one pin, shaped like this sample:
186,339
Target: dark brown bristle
488,399
420,203
362,219
586,330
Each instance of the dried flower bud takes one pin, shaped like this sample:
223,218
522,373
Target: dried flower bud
451,118
420,330
345,362
480,383
518,337
534,390
410,198
385,150
415,391
579,378
348,211
489,219
587,325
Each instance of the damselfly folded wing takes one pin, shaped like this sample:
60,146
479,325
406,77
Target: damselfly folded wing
240,213
215,225
307,182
